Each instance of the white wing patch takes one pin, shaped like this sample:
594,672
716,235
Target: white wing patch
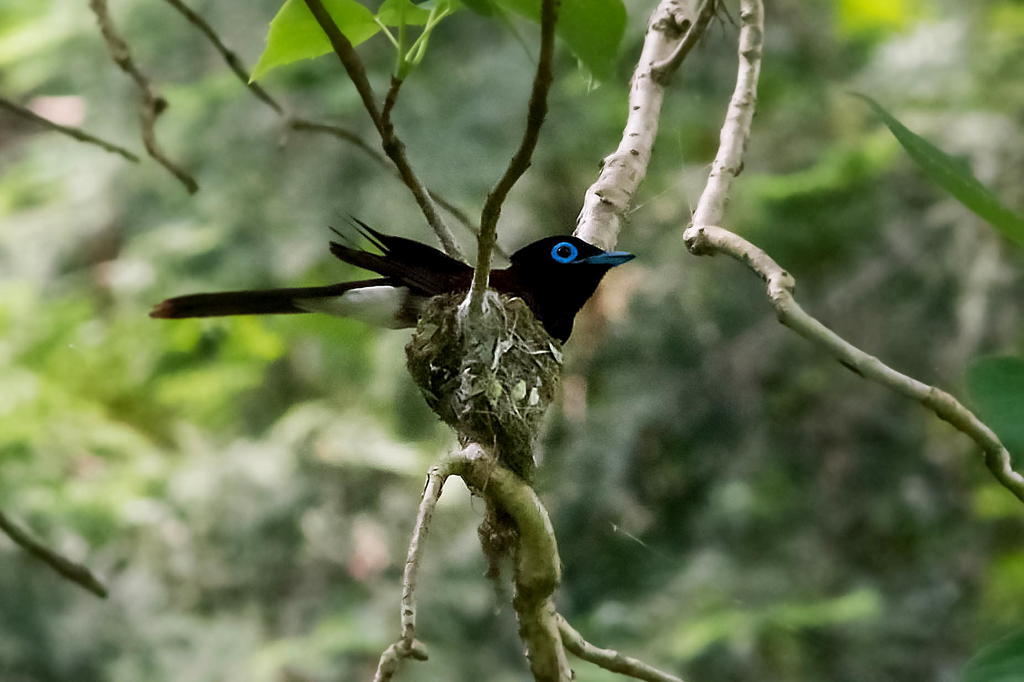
381,306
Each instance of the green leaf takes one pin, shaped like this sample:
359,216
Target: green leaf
1001,661
389,13
953,176
592,29
996,386
295,34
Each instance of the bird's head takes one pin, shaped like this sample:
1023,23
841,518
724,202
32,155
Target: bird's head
559,274
566,256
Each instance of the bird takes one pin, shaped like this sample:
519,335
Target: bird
554,276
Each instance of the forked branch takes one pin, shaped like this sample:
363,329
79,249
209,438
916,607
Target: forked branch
152,104
705,236
537,109
302,124
390,142
673,24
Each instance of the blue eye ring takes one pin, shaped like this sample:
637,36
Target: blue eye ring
564,252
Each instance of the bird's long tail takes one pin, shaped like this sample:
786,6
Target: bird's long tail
254,302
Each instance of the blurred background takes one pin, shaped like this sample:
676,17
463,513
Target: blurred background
731,504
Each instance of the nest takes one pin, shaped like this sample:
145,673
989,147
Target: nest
492,385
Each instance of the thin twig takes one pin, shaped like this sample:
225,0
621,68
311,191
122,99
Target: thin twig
463,219
389,102
431,493
705,237
390,142
75,572
306,125
349,59
607,201
229,56
609,659
407,646
520,161
152,104
352,138
75,133
341,133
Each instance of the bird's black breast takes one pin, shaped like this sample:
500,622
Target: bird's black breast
554,299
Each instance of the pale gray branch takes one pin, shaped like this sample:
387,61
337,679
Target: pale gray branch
706,237
736,130
712,239
407,646
674,23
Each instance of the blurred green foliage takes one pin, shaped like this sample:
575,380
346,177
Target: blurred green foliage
731,504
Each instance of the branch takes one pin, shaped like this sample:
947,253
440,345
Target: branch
520,161
663,70
736,130
673,24
609,659
302,124
407,646
152,104
537,567
390,142
229,56
76,133
76,573
705,237
711,239
389,102
352,138
341,133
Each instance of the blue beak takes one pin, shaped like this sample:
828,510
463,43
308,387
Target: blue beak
610,258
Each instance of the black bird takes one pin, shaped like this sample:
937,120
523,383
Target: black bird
554,276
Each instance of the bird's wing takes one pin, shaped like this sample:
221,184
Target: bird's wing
409,262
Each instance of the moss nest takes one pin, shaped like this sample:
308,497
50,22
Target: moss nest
492,384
